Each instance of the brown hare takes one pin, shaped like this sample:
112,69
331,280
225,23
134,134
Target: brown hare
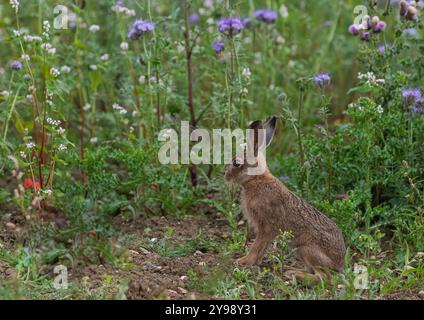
271,208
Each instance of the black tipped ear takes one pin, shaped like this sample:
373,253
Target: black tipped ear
256,125
253,138
270,126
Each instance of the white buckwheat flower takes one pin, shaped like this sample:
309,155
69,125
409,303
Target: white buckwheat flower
5,93
119,108
86,107
46,26
25,57
380,109
14,4
55,72
53,122
94,28
30,145
62,147
104,57
124,46
246,73
65,69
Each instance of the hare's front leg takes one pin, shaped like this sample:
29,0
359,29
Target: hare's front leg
257,251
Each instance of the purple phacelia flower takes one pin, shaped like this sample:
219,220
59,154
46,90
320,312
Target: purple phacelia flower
410,32
285,178
139,28
322,80
266,15
16,65
194,18
382,48
246,22
230,26
218,46
411,96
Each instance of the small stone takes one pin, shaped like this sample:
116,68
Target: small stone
183,278
172,294
198,253
182,290
144,251
202,263
11,226
148,266
419,255
133,253
421,294
340,286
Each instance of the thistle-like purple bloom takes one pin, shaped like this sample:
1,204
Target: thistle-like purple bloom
411,96
139,28
218,46
322,80
16,65
365,36
266,15
230,26
379,27
353,29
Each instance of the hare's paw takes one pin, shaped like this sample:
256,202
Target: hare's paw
246,261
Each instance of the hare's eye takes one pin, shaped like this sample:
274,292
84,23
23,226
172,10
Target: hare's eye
236,163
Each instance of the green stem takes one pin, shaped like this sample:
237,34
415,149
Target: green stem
9,116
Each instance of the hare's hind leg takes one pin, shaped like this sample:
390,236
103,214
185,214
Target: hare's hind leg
314,258
316,262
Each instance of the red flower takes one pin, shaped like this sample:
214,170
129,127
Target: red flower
29,183
342,196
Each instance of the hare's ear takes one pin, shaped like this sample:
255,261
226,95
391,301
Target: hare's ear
255,138
270,126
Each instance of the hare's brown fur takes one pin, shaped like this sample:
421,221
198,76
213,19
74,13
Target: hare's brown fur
271,208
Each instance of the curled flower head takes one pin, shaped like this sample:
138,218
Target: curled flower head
218,46
322,80
230,26
16,65
408,10
266,15
139,28
411,96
